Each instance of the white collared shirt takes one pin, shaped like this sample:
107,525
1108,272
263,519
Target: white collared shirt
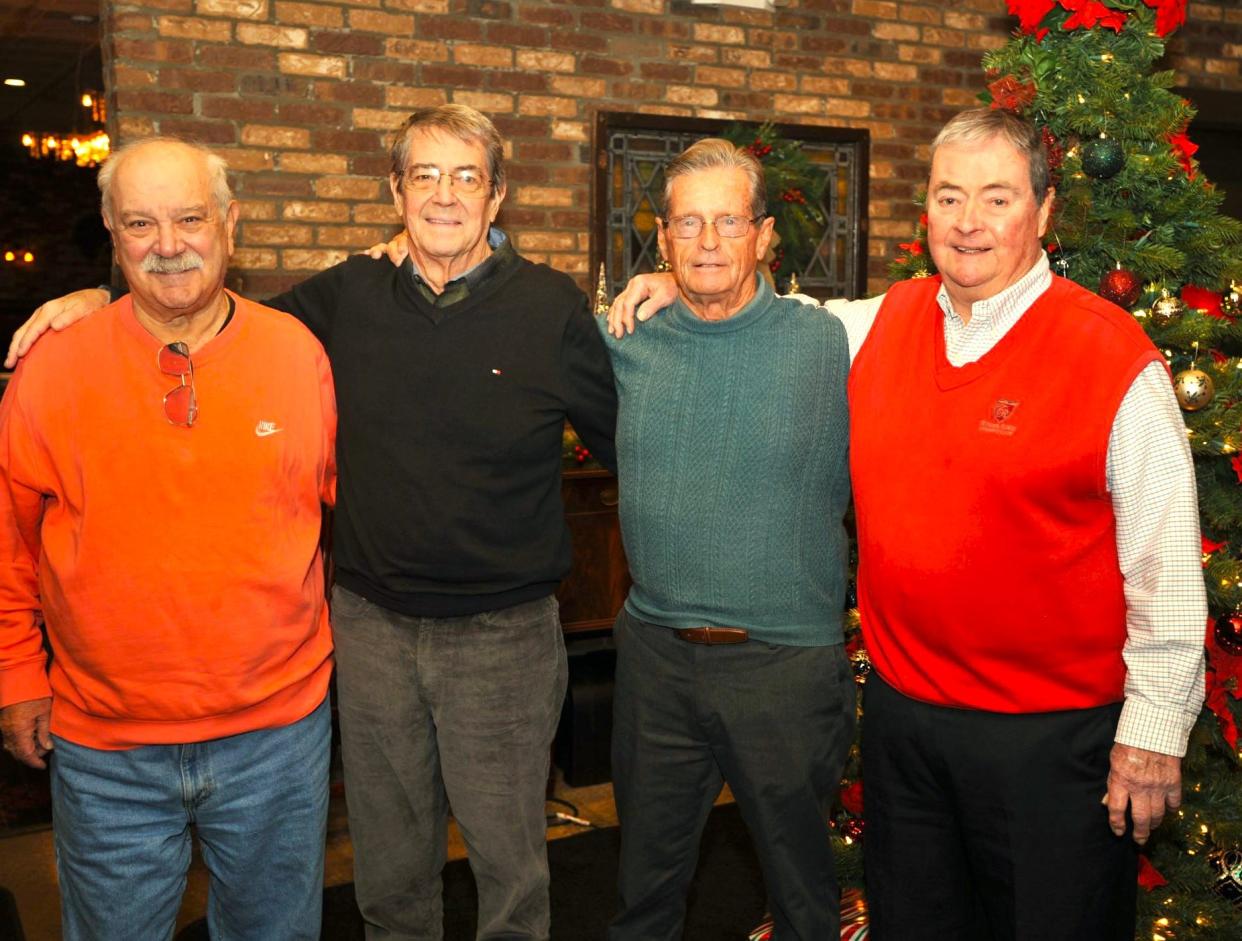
1150,477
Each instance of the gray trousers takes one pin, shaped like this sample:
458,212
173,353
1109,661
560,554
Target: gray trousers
448,712
775,722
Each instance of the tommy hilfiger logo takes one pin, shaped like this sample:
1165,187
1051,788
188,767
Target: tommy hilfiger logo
997,422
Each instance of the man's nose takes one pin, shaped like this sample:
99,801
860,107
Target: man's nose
709,238
168,242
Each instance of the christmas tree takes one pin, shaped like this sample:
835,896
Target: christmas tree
1137,222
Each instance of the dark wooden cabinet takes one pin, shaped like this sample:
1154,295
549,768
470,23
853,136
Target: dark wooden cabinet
595,589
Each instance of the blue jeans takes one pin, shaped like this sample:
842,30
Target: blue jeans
259,802
440,712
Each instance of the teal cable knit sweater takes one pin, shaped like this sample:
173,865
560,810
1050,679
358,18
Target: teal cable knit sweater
732,442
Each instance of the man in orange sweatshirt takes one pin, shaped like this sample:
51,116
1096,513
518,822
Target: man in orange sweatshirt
163,472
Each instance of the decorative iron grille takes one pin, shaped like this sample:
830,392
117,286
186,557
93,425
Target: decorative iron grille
631,153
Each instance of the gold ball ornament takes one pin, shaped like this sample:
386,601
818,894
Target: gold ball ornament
1194,389
1231,301
1167,309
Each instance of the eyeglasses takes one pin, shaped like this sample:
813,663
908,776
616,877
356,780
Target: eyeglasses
467,181
727,227
180,403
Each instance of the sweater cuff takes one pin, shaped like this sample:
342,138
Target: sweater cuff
1154,728
24,682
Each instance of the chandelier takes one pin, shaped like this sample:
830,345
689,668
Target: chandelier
88,149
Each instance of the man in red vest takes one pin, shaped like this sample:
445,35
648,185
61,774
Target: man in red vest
1029,580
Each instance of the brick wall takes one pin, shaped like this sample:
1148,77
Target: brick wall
300,96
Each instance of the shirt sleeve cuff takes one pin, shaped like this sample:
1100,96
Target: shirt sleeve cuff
1154,728
23,683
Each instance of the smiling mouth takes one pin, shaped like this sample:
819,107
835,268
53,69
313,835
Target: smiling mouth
966,250
442,221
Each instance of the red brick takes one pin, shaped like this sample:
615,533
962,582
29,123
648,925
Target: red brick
511,34
163,50
238,109
197,80
206,132
342,41
236,57
154,101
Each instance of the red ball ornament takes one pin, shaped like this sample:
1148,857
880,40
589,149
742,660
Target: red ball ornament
1120,286
1229,634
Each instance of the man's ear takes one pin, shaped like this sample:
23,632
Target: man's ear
498,196
1045,210
660,238
766,228
230,224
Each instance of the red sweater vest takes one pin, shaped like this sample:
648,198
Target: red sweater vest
988,573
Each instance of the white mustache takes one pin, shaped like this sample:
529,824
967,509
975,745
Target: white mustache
186,260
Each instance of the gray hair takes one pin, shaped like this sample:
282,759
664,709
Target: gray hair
217,171
712,153
460,121
983,124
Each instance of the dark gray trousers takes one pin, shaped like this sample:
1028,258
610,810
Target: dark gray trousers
448,712
775,722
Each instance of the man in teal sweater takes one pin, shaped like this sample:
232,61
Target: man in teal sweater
732,439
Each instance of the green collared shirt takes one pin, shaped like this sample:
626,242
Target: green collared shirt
503,257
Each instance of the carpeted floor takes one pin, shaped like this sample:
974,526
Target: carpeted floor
726,900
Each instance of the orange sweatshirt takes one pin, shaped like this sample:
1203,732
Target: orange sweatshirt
178,569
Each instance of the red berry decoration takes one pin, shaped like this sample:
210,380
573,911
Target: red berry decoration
1056,153
1120,286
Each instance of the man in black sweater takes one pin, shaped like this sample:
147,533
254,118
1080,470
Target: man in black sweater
454,376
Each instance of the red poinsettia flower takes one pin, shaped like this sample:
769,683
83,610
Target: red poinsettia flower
1218,702
1170,14
1209,546
923,220
852,798
914,248
1198,298
1010,94
1183,149
1218,357
1236,464
1149,876
1089,13
1030,12
1224,668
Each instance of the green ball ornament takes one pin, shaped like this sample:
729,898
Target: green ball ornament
1102,158
1194,389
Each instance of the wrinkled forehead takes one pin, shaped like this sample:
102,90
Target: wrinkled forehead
437,147
713,191
161,177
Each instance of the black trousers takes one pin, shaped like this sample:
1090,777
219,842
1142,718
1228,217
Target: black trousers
984,826
776,723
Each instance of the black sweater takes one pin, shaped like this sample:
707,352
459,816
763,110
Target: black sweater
449,442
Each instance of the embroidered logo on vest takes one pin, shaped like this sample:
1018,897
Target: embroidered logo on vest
996,422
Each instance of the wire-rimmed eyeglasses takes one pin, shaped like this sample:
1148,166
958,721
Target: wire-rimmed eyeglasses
468,181
180,402
727,227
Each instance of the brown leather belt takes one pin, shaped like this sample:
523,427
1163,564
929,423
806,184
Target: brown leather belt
714,635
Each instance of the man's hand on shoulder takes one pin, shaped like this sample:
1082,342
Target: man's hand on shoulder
1145,781
395,250
56,314
644,297
25,726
